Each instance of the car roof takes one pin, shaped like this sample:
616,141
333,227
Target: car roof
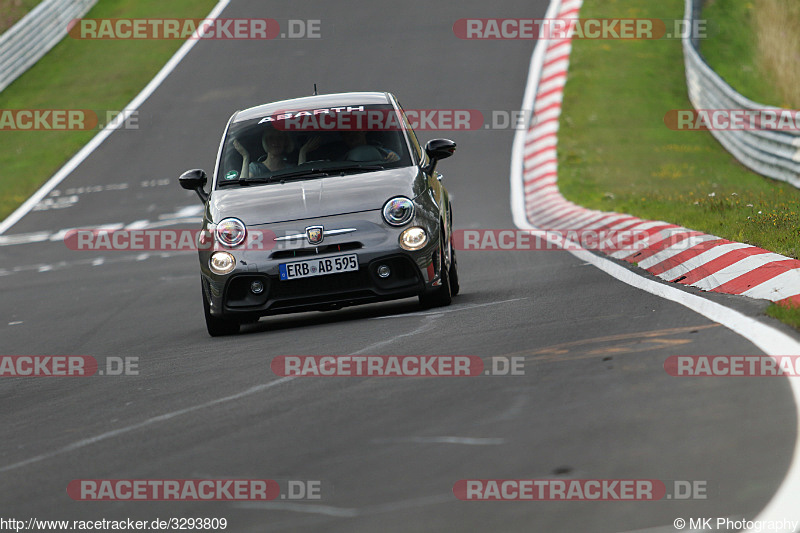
313,102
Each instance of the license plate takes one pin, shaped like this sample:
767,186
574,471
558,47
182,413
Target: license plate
318,267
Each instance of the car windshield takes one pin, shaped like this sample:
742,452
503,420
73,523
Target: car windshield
312,144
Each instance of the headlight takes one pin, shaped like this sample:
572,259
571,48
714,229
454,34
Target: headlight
398,211
231,232
221,262
413,238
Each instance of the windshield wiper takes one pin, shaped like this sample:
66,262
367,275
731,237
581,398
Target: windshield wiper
312,173
365,168
307,173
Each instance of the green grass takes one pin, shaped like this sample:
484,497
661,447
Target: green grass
733,49
789,314
756,48
81,74
13,10
615,152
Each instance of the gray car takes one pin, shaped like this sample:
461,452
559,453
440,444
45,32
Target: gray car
322,202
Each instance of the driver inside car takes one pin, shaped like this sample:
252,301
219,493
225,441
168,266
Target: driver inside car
277,145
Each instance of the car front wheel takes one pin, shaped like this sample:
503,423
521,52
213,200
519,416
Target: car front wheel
217,327
453,274
443,295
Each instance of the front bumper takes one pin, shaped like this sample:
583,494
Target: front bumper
374,242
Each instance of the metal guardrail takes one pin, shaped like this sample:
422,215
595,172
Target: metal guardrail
35,34
772,153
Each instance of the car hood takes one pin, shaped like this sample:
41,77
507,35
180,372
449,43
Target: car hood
312,198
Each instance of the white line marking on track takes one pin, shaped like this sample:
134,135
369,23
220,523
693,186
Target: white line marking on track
110,128
145,423
422,329
193,210
137,224
90,261
308,508
174,414
772,341
24,238
469,441
448,309
185,215
348,512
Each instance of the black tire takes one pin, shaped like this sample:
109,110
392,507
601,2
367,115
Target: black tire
455,286
442,296
217,327
453,274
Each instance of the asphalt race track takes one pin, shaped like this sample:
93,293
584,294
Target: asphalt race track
594,403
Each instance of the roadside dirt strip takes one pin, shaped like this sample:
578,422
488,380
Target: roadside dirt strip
671,252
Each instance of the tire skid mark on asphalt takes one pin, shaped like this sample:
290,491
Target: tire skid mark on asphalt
77,445
627,343
525,212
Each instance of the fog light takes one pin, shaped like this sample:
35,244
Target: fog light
384,271
413,238
256,287
221,262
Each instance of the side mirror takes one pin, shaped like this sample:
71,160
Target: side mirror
195,180
438,149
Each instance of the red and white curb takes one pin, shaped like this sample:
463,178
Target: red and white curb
673,253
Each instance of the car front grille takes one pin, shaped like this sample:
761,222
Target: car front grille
326,249
319,285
